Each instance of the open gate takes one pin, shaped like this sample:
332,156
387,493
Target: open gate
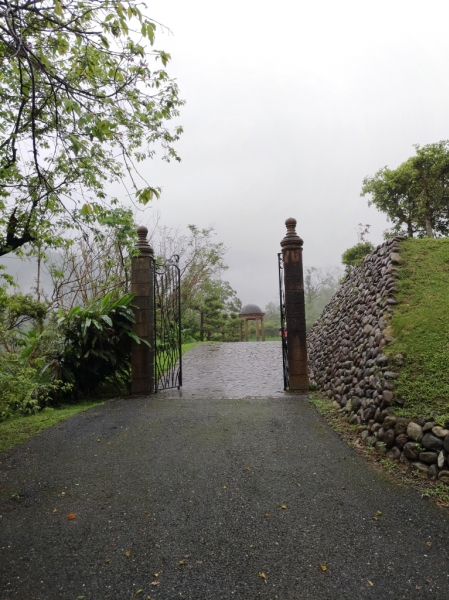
167,325
283,321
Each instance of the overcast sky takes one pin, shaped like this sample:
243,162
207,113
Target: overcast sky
290,104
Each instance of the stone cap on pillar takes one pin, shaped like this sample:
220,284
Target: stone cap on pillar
292,239
142,243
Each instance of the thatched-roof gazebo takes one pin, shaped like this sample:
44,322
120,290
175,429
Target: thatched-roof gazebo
252,312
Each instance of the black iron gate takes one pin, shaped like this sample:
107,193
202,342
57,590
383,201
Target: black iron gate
167,325
283,321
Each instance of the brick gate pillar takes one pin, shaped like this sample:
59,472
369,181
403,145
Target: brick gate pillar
142,359
295,308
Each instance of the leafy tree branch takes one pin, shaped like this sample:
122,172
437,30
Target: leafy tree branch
84,99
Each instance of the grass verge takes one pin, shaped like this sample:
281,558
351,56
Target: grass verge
401,473
17,430
420,326
20,429
186,347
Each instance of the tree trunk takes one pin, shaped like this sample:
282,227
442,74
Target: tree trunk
38,281
202,326
410,230
429,229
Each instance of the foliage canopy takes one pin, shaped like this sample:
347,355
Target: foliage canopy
415,196
80,106
354,255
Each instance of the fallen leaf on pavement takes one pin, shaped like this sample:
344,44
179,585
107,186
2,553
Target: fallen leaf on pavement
248,468
71,516
262,576
266,515
429,544
155,583
128,553
370,582
323,568
54,510
181,562
139,592
107,560
283,506
225,487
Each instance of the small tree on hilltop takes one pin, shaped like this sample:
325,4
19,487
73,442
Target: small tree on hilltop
353,256
415,196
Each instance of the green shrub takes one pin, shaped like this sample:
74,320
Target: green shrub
353,256
95,345
23,388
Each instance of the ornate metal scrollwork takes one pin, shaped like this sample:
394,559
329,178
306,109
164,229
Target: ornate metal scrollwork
283,329
167,324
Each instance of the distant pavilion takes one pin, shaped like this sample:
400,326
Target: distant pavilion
252,312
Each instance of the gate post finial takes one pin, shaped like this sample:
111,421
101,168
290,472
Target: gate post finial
295,308
291,238
142,285
142,243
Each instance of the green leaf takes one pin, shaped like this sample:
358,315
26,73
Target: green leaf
58,8
107,319
137,339
86,209
75,310
75,144
145,195
150,32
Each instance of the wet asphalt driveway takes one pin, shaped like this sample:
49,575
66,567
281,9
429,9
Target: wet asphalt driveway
206,498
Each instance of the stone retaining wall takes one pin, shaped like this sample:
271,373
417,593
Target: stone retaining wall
348,364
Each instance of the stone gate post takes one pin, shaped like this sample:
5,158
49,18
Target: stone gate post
295,308
142,359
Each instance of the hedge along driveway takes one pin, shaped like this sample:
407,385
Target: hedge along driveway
221,498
